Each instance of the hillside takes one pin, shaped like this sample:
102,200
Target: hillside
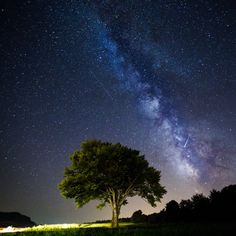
15,219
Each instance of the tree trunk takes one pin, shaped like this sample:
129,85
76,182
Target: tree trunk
115,216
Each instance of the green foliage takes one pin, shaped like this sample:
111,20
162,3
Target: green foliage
110,173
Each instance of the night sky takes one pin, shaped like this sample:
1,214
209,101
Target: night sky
155,75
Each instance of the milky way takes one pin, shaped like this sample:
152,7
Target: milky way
157,76
144,65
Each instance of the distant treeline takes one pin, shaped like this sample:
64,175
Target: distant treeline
219,206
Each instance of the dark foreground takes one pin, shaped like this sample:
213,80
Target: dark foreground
224,229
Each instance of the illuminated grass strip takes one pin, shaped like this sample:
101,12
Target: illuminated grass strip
74,226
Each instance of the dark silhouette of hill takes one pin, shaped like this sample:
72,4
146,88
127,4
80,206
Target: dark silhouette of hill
219,206
15,219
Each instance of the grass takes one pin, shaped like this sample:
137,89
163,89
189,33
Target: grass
129,229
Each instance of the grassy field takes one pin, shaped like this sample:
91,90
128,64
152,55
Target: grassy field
128,229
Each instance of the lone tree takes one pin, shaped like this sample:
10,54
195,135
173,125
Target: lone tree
110,173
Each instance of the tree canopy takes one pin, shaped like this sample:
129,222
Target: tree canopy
110,173
219,206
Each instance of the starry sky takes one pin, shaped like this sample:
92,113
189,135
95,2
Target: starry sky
155,75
